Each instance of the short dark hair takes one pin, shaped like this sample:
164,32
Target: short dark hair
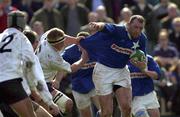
31,35
138,17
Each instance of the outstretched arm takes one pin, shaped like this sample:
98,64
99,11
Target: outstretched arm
96,26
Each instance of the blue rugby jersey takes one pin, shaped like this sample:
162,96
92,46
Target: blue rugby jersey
113,45
141,83
82,79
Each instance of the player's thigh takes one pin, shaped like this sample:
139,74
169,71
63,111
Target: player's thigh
106,103
24,108
40,111
124,96
86,112
154,112
82,100
95,100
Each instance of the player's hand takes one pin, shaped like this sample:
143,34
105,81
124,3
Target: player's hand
141,65
55,84
54,110
78,39
94,26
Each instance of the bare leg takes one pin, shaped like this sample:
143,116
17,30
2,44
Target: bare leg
106,104
124,97
24,108
86,112
41,112
154,112
95,100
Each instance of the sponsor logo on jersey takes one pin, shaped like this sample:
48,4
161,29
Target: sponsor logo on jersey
121,50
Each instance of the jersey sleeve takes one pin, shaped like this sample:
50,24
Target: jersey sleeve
90,44
153,66
58,63
109,28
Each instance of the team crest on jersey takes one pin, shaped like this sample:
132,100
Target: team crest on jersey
135,45
121,50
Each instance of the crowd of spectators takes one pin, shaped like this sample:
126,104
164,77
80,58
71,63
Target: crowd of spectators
162,29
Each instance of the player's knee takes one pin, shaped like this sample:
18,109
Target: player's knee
69,105
126,108
141,113
106,112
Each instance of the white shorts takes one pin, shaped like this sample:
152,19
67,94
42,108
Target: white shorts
145,102
83,100
105,77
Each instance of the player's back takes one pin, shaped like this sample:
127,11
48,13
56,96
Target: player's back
12,42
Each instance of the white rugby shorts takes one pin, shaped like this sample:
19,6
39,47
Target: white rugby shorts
83,100
145,102
105,77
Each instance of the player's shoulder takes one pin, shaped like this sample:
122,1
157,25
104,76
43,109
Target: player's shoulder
143,36
150,58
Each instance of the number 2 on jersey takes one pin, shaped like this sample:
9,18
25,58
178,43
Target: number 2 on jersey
6,42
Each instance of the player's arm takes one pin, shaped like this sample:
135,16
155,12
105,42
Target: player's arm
44,98
96,26
153,71
84,58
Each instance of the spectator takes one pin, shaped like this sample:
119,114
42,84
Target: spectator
174,103
167,54
102,15
37,26
159,12
174,35
49,16
172,13
92,17
126,13
75,15
160,9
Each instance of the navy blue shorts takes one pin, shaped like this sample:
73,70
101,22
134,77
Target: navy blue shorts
12,91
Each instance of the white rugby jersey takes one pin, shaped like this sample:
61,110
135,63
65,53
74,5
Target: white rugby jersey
51,61
15,51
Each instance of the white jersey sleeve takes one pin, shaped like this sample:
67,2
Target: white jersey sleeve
51,61
43,89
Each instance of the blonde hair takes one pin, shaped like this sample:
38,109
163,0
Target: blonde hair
55,35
